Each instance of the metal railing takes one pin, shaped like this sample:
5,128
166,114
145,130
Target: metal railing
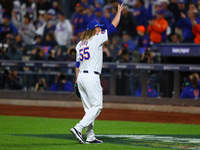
110,70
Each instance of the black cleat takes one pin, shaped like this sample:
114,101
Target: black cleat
78,135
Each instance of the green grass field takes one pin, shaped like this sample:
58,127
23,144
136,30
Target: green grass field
22,133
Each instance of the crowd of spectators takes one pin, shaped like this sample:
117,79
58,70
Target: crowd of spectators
52,28
48,25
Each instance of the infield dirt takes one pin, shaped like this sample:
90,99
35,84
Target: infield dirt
106,114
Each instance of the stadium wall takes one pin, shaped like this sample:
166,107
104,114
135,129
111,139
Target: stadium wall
114,102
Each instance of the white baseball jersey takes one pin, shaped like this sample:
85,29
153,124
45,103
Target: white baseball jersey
90,53
90,56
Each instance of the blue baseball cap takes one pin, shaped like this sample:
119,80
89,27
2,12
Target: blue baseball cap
93,24
181,1
160,12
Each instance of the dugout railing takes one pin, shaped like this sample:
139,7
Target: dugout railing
110,70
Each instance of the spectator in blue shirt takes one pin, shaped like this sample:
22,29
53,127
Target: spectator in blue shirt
51,21
140,13
7,29
142,40
79,22
90,13
61,84
176,8
151,92
169,17
109,12
181,9
185,23
127,41
101,18
193,89
114,46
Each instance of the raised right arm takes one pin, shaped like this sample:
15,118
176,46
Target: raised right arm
116,20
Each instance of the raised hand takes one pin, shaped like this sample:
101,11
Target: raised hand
120,7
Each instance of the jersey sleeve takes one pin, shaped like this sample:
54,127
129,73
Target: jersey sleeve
111,29
102,37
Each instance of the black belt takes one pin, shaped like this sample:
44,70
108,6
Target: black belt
95,72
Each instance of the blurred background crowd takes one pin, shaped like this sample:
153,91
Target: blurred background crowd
48,30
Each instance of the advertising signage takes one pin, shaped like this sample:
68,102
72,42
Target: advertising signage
180,50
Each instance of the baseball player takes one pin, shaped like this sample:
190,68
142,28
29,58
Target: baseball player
88,68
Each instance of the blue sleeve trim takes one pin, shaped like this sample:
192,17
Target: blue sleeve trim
111,29
77,64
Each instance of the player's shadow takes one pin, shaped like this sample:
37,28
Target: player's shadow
64,137
154,140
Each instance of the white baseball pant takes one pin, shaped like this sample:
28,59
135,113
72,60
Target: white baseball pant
91,95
